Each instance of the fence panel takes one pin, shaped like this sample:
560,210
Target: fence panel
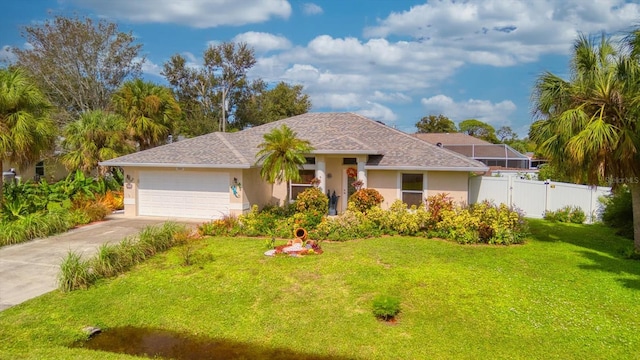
529,196
536,197
482,188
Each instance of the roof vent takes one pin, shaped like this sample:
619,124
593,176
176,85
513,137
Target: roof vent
439,144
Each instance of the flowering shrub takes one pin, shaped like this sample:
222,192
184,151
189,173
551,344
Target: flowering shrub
365,199
312,199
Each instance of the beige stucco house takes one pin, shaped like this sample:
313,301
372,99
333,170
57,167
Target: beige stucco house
214,175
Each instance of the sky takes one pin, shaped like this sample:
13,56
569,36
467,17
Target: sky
390,60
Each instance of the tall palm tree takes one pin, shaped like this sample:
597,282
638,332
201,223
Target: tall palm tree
26,131
96,136
590,123
151,111
282,155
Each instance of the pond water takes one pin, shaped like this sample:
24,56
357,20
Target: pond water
157,343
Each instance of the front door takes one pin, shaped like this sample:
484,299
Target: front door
349,176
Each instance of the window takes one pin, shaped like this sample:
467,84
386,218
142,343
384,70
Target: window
412,186
349,161
39,170
310,160
305,182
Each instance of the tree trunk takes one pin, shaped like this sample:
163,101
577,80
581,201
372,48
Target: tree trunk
286,199
634,186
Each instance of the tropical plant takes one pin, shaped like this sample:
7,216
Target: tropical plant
589,124
26,131
150,110
96,136
281,156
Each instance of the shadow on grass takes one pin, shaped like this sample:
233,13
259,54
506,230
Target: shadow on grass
616,266
600,240
157,343
596,237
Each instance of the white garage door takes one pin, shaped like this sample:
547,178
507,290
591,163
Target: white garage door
186,194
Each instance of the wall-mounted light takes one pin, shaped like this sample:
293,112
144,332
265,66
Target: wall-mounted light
129,178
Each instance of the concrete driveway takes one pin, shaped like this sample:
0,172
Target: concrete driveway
30,269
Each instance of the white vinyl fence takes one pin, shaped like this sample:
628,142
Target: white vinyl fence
536,197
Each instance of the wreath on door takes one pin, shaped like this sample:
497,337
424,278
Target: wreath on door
351,172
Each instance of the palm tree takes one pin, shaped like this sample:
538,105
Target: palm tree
151,111
282,155
96,136
26,131
590,124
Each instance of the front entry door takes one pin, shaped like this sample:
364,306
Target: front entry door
349,176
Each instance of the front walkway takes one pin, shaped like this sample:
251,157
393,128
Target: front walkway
30,269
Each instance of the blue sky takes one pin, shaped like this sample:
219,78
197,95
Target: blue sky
390,60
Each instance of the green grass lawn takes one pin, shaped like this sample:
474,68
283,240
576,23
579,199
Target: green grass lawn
567,293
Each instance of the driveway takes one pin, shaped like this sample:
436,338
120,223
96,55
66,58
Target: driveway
30,269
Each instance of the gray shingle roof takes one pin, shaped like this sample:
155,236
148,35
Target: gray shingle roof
329,133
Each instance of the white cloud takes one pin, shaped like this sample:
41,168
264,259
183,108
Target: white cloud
504,33
195,13
263,42
377,112
150,68
311,9
6,55
495,114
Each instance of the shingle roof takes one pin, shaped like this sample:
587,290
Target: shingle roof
329,133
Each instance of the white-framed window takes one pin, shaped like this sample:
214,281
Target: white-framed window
305,182
412,189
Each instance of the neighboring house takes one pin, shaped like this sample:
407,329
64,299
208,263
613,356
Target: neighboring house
215,175
49,169
496,156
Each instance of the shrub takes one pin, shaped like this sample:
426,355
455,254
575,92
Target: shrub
227,225
312,200
386,307
347,226
483,223
438,203
572,214
400,219
618,213
365,199
255,222
96,211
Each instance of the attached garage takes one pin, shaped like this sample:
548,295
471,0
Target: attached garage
183,194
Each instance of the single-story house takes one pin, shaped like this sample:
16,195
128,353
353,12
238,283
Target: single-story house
498,156
216,174
50,169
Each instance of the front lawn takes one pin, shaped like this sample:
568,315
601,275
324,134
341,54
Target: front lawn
567,293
